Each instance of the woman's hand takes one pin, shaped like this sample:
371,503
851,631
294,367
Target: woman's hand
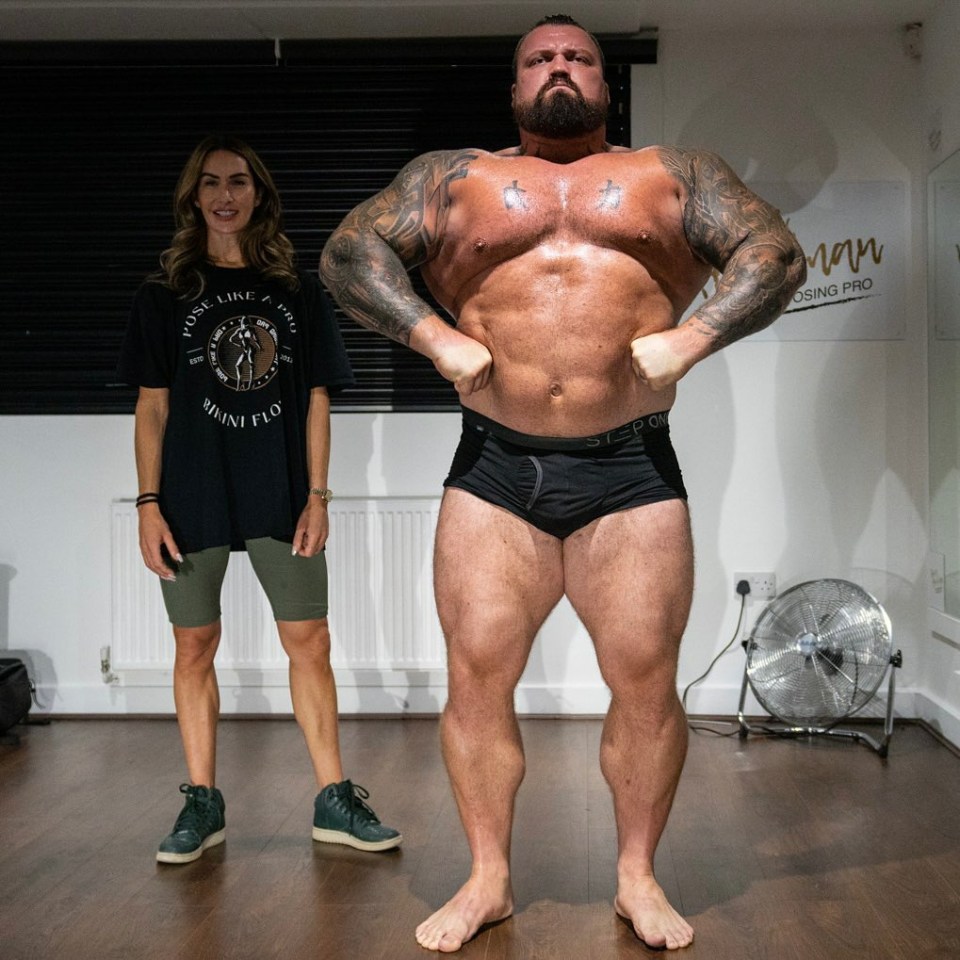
157,540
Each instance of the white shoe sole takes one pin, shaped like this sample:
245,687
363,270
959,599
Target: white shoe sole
210,841
337,836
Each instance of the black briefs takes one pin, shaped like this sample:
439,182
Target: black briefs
560,484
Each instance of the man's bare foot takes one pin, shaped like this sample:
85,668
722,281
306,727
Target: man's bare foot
477,902
655,922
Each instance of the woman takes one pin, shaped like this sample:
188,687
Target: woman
236,353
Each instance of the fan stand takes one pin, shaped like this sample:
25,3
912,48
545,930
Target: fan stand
786,730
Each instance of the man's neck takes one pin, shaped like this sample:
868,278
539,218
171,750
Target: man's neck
565,150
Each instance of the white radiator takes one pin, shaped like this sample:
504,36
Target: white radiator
382,613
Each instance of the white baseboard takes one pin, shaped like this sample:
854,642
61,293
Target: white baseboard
944,718
360,692
422,693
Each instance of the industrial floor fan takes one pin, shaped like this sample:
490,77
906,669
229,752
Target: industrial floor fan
816,655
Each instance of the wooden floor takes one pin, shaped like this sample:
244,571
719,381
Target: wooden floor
776,849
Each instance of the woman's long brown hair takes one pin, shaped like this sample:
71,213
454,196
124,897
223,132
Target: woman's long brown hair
264,245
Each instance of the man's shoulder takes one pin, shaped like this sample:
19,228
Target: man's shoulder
644,161
686,156
446,159
609,149
667,154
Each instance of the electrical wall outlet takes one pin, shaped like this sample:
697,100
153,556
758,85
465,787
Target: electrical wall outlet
763,586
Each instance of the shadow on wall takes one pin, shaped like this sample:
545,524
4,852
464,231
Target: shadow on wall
776,139
866,502
376,696
784,141
561,630
250,700
704,431
767,134
387,466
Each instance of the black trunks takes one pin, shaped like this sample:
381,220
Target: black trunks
560,484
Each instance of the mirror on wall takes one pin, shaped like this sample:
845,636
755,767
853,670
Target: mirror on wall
944,382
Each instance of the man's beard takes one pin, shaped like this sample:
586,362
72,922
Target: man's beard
560,116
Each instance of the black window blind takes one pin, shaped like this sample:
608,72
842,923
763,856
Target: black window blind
95,136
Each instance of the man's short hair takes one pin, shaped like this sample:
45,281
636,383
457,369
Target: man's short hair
565,20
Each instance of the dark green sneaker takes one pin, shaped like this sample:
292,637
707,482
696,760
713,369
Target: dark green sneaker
200,825
341,816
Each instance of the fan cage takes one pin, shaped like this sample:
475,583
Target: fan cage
818,652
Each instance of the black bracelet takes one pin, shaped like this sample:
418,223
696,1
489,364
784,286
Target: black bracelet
148,498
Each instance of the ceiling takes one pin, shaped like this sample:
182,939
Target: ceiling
258,19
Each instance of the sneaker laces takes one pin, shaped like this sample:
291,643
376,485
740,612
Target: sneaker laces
354,798
195,814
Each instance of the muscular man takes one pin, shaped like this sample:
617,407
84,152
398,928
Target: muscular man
567,264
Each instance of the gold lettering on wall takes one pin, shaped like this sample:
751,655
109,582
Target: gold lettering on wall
845,251
825,257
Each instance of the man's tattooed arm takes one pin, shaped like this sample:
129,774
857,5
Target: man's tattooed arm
732,229
366,259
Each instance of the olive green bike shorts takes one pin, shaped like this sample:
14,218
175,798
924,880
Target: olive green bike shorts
296,587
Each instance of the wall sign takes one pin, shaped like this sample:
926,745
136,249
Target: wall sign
854,239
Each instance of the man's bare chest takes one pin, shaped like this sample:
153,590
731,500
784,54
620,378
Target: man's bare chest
502,208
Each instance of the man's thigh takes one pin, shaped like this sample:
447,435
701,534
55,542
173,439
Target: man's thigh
629,576
496,579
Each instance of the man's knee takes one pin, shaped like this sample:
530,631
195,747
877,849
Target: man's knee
649,674
481,678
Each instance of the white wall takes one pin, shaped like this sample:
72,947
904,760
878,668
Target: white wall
941,80
808,459
940,677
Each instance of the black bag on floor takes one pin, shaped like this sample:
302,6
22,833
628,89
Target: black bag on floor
15,690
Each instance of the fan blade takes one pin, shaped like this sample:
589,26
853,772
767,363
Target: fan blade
818,652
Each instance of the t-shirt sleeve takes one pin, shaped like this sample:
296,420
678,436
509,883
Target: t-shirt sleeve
328,364
148,353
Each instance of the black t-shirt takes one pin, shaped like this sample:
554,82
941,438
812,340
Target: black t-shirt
239,361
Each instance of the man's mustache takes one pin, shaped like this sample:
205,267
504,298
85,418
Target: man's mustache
560,82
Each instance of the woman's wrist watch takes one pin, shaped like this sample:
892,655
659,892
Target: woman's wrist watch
324,493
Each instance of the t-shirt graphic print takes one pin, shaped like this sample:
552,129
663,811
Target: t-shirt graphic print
239,361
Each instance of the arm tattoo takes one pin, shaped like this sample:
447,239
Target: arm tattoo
366,259
731,228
